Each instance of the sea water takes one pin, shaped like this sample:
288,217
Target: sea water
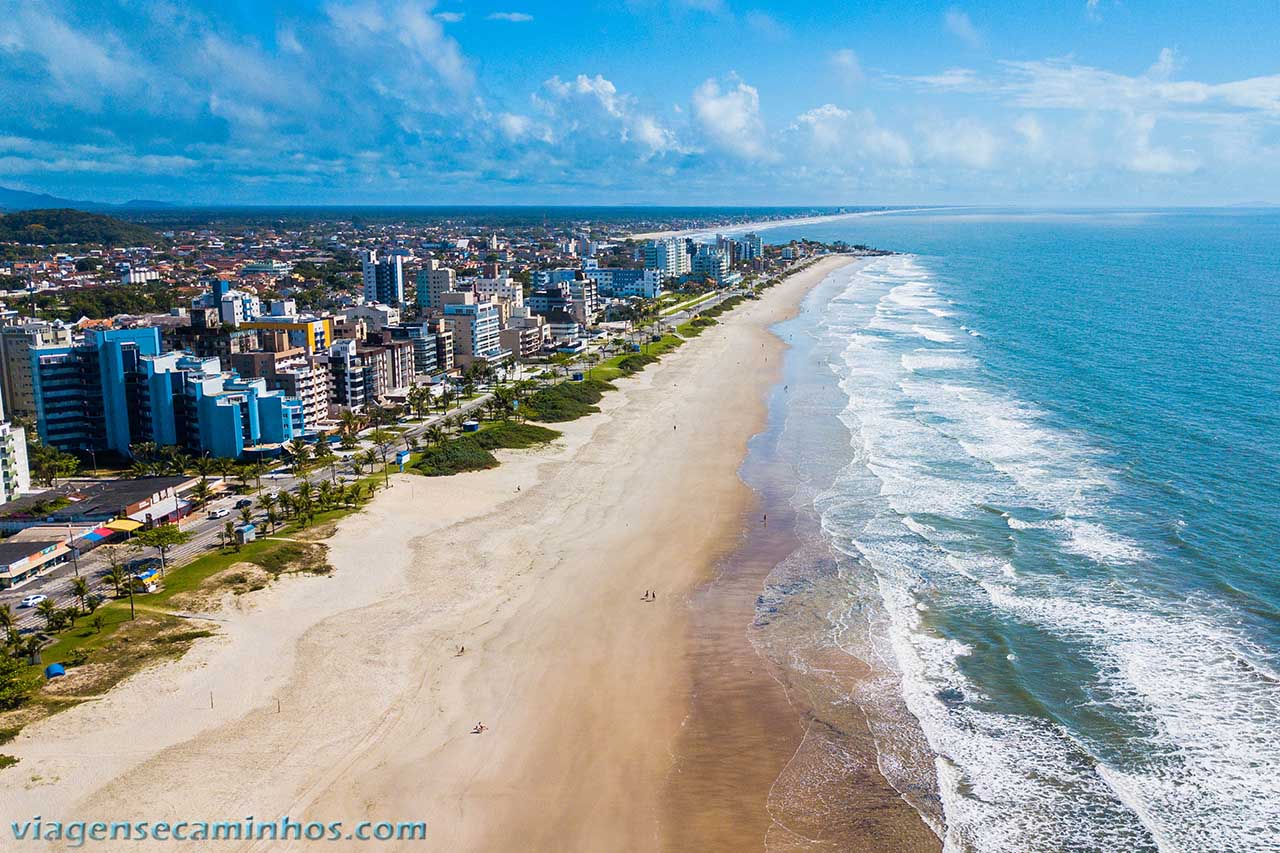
1039,455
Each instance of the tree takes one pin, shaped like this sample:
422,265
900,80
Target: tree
6,619
324,455
48,464
300,452
201,491
163,538
80,589
349,427
116,572
225,466
13,686
49,611
246,515
229,532
116,576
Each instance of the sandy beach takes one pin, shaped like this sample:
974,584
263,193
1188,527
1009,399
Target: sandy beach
345,698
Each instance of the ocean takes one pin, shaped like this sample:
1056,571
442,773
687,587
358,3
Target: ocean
1035,461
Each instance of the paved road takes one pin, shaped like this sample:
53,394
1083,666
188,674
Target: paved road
207,531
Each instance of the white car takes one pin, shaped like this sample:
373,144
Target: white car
32,600
220,512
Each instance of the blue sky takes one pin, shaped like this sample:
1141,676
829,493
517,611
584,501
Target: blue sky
1081,102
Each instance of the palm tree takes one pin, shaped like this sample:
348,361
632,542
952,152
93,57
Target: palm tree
246,515
286,504
368,459
348,427
203,466
116,576
324,455
267,501
229,535
300,451
80,589
48,610
225,466
324,494
435,434
200,492
272,518
6,619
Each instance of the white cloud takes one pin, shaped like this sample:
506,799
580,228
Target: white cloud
450,17
961,26
1155,159
957,79
847,66
965,142
731,118
1164,66
1030,129
514,17
832,134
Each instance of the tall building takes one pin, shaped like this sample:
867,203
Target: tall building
474,323
669,256
80,390
432,283
383,279
292,372
15,477
422,337
313,334
180,399
116,389
16,343
617,282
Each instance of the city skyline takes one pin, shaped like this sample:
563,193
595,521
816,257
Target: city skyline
699,102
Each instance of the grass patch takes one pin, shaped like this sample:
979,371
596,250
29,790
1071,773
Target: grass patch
567,401
454,457
471,451
7,761
514,436
9,733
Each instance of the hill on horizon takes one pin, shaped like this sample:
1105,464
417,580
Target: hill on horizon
65,225
15,200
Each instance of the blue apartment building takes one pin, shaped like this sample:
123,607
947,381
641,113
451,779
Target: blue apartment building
116,388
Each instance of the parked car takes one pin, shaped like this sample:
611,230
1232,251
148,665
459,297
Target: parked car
220,512
243,502
32,600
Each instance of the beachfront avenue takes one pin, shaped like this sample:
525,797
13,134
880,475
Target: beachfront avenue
77,833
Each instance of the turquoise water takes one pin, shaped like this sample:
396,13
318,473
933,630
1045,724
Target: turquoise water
1056,518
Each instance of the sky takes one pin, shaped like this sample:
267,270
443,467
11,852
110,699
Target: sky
697,102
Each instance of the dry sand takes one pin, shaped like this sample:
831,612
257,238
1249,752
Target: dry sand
536,567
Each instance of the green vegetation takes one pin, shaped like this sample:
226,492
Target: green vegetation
47,227
471,451
567,401
512,436
48,464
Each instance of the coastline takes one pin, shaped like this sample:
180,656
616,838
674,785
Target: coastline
764,224
536,567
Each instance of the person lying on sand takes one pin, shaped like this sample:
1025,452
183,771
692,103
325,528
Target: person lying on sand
480,727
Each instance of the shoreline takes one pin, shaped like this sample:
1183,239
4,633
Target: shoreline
583,686
766,224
